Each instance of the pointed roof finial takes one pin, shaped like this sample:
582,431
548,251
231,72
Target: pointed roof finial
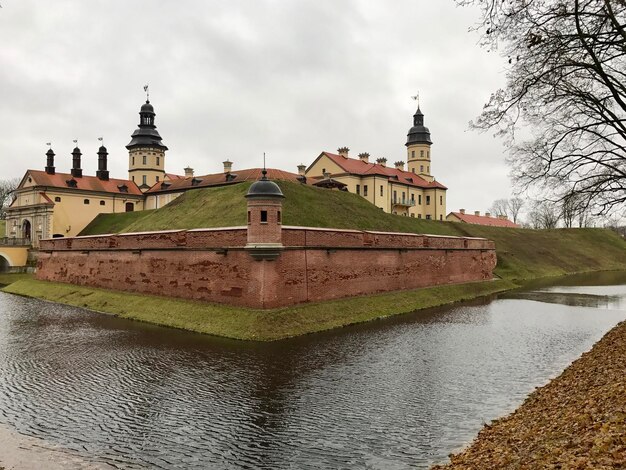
264,172
147,90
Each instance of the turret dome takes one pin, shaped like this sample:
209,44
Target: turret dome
264,188
418,134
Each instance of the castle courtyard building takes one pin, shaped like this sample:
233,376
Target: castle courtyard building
412,192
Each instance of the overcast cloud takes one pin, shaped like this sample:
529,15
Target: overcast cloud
233,79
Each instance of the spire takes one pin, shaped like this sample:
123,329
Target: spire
103,172
50,162
418,134
77,171
146,135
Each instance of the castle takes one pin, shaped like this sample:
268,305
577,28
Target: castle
49,204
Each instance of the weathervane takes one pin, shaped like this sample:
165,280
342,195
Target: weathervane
417,98
146,89
101,139
75,142
264,172
49,144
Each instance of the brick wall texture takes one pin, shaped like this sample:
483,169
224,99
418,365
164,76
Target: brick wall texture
315,264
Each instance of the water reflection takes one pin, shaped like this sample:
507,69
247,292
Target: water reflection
401,393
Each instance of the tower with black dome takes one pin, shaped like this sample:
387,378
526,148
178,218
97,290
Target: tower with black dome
418,146
146,151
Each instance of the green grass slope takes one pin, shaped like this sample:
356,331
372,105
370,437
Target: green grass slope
522,253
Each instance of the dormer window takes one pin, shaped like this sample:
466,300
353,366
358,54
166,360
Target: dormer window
165,184
71,183
196,181
122,188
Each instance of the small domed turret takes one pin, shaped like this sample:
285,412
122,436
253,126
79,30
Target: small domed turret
264,188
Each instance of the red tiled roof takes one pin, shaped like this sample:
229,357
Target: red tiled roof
219,179
85,183
359,167
172,176
484,220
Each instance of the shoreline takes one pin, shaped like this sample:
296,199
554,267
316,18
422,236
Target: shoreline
577,420
251,324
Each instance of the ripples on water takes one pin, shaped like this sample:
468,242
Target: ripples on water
396,394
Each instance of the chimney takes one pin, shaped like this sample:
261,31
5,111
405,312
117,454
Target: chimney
50,162
462,211
301,169
228,166
364,157
487,214
343,151
476,212
188,172
399,165
102,173
77,172
382,161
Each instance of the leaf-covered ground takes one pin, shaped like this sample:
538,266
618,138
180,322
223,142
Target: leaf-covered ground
577,421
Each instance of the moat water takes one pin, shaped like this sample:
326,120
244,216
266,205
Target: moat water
394,394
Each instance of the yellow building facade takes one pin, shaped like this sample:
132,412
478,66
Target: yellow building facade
49,204
411,192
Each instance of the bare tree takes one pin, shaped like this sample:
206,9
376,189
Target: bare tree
544,215
515,206
500,207
7,188
566,79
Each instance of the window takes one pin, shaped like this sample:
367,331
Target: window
145,159
395,196
403,198
130,207
323,170
133,161
263,217
413,198
428,169
413,170
157,179
428,154
428,217
86,201
133,178
365,190
412,153
419,216
278,217
249,218
421,168
102,203
57,199
358,189
440,217
428,200
441,200
412,215
158,162
419,199
421,154
144,178
381,189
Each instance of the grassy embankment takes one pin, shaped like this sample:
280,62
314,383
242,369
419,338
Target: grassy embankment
522,255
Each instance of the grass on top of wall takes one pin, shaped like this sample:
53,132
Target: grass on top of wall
251,324
522,253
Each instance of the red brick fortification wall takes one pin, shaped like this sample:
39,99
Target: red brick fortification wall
315,264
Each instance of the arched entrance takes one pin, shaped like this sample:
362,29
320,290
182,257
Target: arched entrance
26,232
130,207
4,264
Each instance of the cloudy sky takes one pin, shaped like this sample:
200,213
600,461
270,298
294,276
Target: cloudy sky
233,79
